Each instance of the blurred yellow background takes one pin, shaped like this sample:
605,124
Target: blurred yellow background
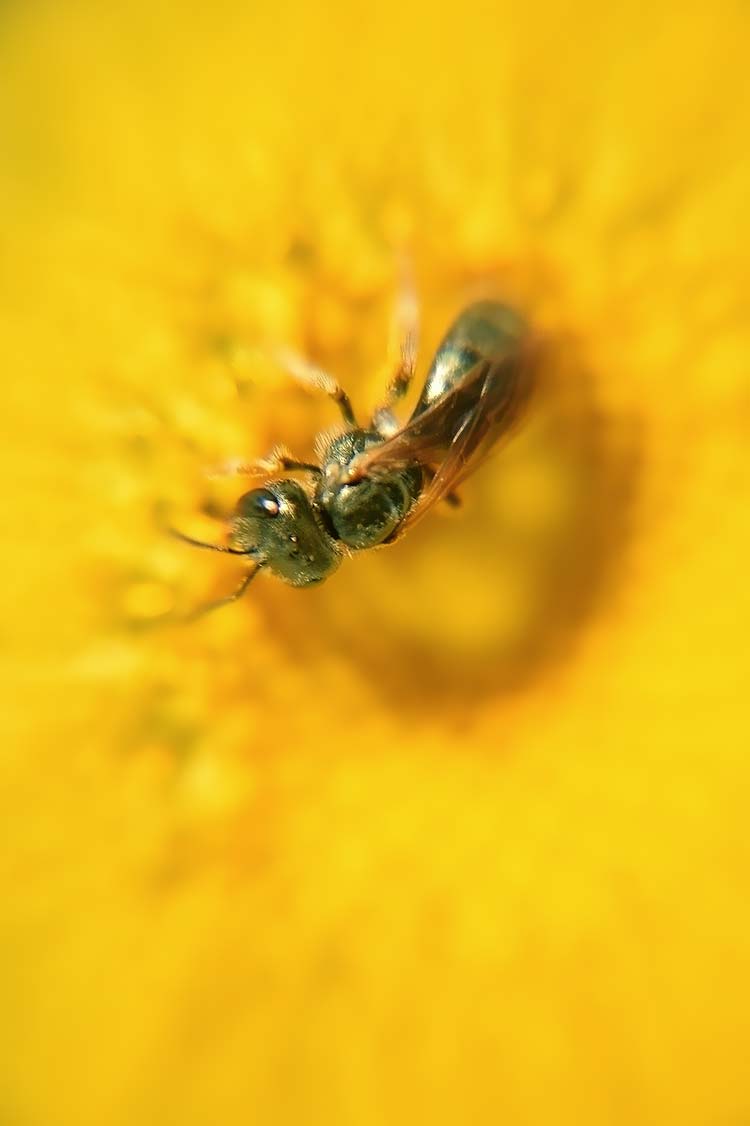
461,835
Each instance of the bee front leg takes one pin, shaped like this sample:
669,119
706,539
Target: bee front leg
316,379
280,460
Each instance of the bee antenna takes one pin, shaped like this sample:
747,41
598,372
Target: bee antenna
209,546
209,607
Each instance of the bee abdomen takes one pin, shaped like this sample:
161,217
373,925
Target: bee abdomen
486,330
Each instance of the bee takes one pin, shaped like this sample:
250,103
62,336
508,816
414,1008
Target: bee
373,483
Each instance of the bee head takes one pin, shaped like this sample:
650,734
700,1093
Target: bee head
278,526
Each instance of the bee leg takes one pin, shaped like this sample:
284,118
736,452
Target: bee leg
404,338
316,380
385,422
452,499
401,380
280,460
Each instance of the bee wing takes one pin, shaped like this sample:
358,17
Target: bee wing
454,435
494,413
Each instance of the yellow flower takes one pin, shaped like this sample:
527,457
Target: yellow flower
461,835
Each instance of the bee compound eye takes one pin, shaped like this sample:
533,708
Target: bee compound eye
259,502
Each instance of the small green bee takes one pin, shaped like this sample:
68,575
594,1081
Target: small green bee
372,484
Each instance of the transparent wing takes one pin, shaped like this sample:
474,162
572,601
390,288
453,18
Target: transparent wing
454,435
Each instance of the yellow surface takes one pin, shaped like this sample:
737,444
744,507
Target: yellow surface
462,835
